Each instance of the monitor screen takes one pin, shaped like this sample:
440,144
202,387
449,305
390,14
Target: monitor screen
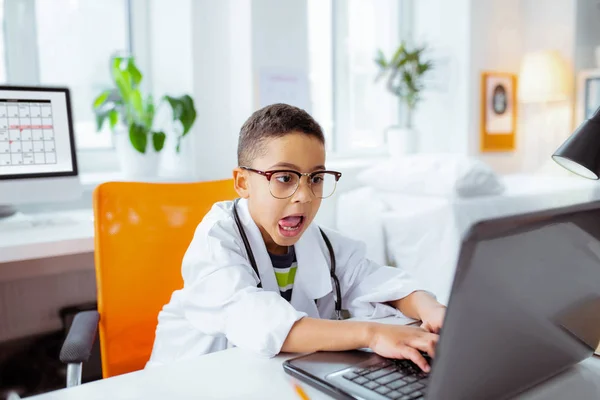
36,133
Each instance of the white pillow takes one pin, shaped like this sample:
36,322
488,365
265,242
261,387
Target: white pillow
434,175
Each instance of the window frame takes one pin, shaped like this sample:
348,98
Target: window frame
339,19
22,62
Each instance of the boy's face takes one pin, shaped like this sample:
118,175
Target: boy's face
282,221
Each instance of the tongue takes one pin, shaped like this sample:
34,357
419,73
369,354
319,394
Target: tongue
290,221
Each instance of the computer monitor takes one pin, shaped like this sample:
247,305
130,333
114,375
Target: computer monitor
37,147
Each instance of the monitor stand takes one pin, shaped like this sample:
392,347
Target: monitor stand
7,211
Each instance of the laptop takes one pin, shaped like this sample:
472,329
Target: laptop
524,306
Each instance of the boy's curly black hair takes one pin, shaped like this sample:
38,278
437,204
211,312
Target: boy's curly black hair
273,121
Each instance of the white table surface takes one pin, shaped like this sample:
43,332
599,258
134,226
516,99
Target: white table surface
51,237
238,374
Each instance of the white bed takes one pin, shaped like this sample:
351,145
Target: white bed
424,234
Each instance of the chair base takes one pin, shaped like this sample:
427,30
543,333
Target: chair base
73,375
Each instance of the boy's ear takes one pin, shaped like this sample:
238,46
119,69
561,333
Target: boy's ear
241,183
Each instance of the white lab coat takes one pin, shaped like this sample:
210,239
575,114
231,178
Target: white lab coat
220,305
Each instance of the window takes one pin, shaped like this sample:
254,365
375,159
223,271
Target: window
344,36
320,57
75,40
69,44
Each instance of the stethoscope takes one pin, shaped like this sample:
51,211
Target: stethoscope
336,282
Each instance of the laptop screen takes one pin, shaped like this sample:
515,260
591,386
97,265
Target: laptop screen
525,304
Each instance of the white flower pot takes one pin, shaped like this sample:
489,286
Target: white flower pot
402,141
133,163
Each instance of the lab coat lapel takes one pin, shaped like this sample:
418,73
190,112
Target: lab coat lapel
313,279
261,256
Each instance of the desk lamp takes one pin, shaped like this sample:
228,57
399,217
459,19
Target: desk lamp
580,153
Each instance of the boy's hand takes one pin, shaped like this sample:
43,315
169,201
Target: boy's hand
432,318
403,342
421,306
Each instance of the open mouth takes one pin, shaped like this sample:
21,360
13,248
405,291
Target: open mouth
291,225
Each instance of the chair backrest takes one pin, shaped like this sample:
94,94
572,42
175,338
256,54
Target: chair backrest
142,231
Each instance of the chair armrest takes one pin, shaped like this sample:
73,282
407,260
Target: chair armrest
80,339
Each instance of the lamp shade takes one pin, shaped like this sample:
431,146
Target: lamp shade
544,77
580,153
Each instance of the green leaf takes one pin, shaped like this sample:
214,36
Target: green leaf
112,100
100,117
138,137
401,50
178,147
134,72
158,140
124,89
127,80
380,59
408,81
149,111
402,63
184,111
137,102
176,106
113,116
116,66
422,68
419,51
101,99
189,114
122,77
102,113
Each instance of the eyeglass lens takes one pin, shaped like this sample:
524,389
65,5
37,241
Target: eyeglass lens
285,184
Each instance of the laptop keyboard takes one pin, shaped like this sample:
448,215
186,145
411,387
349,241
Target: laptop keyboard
394,379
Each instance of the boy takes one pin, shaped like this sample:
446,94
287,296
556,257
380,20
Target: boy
281,179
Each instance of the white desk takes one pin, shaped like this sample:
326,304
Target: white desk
236,374
48,239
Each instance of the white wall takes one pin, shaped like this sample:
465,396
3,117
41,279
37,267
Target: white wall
471,37
233,40
170,44
544,127
280,35
496,45
442,118
222,83
587,33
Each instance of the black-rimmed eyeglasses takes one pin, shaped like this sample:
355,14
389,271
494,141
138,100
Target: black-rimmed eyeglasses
283,183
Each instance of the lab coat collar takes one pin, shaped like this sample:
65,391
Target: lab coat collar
313,280
259,249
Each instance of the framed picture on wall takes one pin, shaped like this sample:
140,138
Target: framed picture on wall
498,111
588,95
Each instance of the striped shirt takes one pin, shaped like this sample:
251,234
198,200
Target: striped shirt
285,267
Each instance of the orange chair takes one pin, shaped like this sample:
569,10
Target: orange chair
142,231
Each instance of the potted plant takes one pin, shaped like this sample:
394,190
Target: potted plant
404,73
131,116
